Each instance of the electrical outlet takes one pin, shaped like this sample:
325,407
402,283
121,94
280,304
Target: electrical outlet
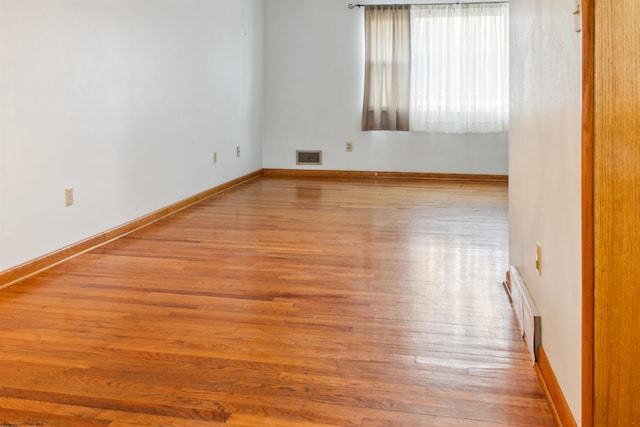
539,258
68,196
215,157
238,151
349,147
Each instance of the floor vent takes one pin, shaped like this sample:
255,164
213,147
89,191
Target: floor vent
526,311
308,157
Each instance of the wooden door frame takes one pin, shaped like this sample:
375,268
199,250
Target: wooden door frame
588,258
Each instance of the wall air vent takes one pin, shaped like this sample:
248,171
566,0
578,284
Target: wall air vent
308,157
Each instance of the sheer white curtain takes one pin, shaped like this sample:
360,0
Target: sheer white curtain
387,68
459,68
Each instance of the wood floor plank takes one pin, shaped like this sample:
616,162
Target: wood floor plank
81,416
283,302
12,417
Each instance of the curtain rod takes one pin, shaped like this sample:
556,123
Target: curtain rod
353,6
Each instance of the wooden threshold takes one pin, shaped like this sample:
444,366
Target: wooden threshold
13,275
557,402
318,173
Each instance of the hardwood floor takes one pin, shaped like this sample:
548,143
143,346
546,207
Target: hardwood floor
281,302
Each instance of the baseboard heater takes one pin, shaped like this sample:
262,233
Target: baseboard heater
526,310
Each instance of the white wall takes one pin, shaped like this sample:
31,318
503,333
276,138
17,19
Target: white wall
125,101
545,173
314,80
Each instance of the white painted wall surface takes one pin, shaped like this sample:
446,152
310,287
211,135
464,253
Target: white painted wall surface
545,174
125,101
314,78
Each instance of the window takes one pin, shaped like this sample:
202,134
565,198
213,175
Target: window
437,68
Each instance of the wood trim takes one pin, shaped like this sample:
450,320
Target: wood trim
20,272
321,173
13,275
588,255
557,402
